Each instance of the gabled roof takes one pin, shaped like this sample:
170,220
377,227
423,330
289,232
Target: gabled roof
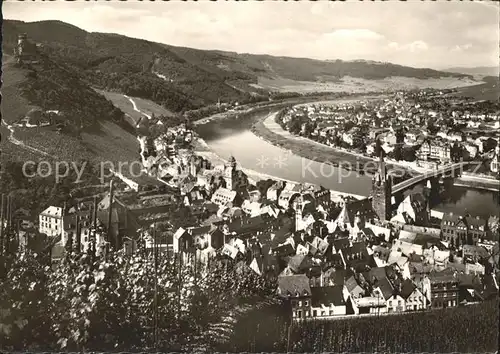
362,207
296,285
407,288
351,283
327,295
341,243
300,263
178,234
385,287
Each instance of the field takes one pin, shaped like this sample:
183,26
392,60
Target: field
146,106
107,143
352,84
13,105
464,329
486,91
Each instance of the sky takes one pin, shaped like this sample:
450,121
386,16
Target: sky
420,34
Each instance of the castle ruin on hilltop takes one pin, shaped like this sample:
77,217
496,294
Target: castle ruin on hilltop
25,51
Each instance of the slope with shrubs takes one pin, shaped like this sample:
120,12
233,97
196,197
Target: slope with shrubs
183,78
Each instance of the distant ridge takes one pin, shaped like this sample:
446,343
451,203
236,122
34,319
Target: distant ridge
480,70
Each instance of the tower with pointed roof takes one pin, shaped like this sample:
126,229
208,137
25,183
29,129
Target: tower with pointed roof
381,192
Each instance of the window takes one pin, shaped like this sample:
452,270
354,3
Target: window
307,314
315,313
390,303
299,314
323,313
294,314
300,302
306,303
399,302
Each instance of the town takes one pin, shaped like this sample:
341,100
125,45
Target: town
300,178
425,128
331,257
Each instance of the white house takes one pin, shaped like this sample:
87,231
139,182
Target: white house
414,299
51,221
327,302
223,196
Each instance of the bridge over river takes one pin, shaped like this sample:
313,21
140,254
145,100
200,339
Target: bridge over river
447,171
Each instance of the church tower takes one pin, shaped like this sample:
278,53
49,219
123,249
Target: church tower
229,172
381,192
298,206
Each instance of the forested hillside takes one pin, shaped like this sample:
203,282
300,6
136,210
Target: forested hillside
184,79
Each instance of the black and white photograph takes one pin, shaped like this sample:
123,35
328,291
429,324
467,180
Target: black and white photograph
250,176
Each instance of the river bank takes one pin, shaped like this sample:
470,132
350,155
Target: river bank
270,131
202,149
481,183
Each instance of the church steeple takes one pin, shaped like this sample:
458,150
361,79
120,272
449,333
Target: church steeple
382,192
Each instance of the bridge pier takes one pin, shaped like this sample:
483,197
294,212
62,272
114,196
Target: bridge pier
448,182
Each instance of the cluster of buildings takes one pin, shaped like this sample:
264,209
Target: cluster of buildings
330,259
426,124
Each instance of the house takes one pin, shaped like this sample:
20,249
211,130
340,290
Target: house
327,302
51,222
369,305
380,255
442,289
224,197
296,291
182,241
207,237
356,257
460,230
352,289
407,247
415,206
355,214
303,264
436,149
474,252
413,298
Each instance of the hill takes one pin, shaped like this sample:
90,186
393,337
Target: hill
49,112
182,79
479,71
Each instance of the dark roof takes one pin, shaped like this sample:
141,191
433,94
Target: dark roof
300,263
291,285
363,207
252,224
356,256
327,295
418,202
442,277
407,288
454,218
333,261
351,283
385,286
375,274
341,243
284,250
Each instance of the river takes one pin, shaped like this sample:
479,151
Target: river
228,137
